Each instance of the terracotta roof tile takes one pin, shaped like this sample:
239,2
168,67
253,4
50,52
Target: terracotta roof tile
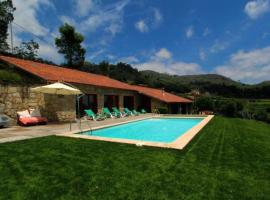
56,73
161,95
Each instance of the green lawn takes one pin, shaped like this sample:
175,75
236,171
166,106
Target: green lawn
229,159
259,104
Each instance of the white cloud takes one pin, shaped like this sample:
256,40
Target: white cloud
179,68
109,18
150,22
163,53
252,66
102,20
83,7
141,26
202,54
257,8
111,56
26,16
49,52
67,19
206,32
129,60
114,28
158,18
96,53
265,35
219,46
189,32
168,65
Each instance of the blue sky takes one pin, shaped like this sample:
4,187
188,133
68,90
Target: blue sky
228,37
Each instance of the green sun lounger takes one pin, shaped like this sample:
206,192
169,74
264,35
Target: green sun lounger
89,113
110,114
135,112
143,111
116,111
128,112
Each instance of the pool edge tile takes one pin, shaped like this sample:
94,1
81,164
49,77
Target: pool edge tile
178,144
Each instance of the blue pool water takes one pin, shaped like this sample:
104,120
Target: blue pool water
154,130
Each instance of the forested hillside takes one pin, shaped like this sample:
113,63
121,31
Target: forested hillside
205,83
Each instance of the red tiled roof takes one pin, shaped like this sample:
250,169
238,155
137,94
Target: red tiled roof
56,73
161,95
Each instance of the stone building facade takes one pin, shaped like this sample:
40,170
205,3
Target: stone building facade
99,91
59,107
54,107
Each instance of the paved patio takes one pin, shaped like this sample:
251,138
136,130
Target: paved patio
21,133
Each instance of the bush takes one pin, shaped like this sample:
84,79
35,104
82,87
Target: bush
261,115
204,103
163,110
9,77
229,108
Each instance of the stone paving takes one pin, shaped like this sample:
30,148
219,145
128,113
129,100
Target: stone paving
21,133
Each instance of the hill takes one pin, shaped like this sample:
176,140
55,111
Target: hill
205,83
194,79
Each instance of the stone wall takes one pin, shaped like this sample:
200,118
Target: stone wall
60,107
54,107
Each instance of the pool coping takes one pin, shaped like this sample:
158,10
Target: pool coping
179,143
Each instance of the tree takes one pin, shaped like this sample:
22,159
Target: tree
204,103
6,16
27,50
69,44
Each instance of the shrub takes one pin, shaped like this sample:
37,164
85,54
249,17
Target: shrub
204,103
228,108
10,77
163,110
261,115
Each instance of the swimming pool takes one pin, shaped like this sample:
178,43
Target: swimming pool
165,130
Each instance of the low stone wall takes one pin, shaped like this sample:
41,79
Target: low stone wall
54,107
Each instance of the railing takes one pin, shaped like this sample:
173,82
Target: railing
156,112
89,125
79,124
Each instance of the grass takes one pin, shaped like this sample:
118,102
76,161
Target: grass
263,104
229,159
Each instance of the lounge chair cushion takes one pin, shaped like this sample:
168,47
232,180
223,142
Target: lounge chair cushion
35,113
41,120
23,114
31,118
27,121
